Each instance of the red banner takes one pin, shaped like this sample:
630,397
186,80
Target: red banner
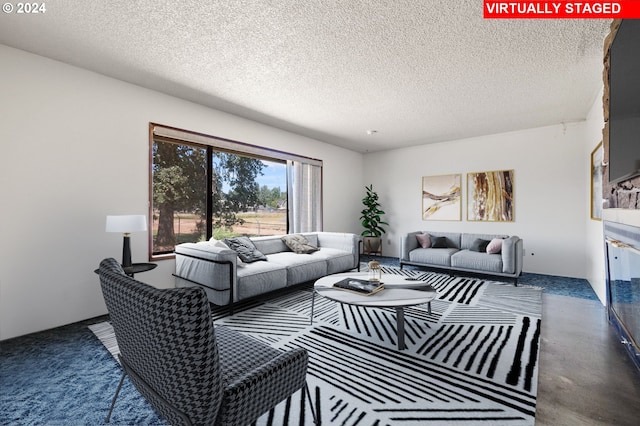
515,9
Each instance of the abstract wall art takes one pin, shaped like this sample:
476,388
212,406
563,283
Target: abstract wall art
442,197
490,196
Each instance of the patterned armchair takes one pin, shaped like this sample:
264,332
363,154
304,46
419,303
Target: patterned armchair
191,372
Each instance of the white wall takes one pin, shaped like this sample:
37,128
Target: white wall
595,263
75,149
551,191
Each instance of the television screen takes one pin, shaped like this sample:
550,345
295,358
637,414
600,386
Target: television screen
624,103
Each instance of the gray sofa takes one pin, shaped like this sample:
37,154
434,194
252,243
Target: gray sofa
226,280
463,253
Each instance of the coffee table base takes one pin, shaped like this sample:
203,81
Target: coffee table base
399,320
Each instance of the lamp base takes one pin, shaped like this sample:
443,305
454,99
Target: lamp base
126,251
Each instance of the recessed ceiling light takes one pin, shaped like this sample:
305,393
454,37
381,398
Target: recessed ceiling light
371,132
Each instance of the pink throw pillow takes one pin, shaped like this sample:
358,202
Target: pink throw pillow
495,246
424,240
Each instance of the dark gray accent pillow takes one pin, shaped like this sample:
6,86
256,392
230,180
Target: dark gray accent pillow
479,245
299,244
247,251
439,242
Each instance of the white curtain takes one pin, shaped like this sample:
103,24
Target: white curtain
304,196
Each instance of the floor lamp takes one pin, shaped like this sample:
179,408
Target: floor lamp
126,224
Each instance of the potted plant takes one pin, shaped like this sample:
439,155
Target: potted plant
372,222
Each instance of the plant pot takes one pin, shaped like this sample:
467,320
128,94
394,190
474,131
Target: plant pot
372,245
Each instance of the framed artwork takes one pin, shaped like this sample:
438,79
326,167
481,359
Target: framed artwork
442,197
490,196
597,159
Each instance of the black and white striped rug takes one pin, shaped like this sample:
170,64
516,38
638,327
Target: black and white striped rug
472,360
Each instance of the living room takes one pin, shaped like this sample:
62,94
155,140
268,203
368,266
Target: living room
76,149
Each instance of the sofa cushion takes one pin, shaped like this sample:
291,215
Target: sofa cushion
479,245
245,248
258,278
269,244
298,244
475,261
337,240
313,239
337,260
431,256
300,268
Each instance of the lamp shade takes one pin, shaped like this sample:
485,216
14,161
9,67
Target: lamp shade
126,223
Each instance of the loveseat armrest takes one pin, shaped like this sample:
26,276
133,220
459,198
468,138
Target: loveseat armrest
512,255
408,242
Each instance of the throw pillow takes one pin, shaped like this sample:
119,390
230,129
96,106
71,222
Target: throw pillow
247,251
479,245
495,246
439,242
424,240
221,244
299,244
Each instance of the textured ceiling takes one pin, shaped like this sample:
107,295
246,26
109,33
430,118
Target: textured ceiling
416,71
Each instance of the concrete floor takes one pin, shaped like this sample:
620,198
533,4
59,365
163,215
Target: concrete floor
585,376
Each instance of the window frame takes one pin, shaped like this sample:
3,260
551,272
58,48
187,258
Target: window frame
212,143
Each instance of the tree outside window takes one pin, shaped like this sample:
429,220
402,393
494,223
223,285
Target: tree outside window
246,196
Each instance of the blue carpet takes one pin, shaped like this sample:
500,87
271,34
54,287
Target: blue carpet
65,377
552,284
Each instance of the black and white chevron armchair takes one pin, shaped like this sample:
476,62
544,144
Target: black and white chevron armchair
190,371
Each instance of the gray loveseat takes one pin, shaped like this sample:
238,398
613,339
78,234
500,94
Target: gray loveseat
464,252
226,280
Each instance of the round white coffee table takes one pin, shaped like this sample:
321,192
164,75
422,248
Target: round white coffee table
398,292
